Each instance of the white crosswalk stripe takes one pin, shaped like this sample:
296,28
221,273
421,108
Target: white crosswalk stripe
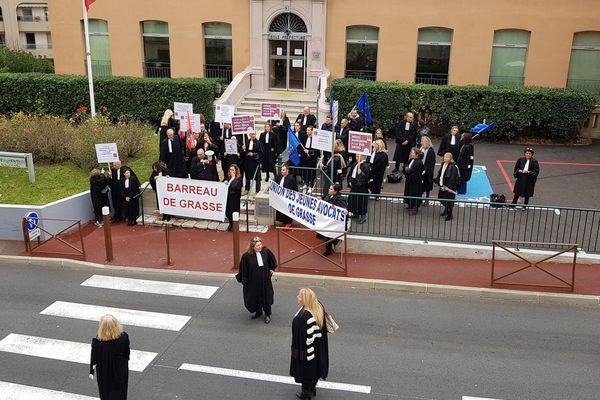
65,350
14,391
146,319
148,286
477,398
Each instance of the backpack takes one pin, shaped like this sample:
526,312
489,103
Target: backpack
497,198
395,177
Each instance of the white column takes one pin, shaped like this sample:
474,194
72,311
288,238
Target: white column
257,45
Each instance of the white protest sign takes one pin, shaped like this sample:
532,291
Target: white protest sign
192,198
182,109
360,143
322,140
231,146
310,211
107,152
242,124
223,113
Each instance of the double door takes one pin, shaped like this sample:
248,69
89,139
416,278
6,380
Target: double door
287,64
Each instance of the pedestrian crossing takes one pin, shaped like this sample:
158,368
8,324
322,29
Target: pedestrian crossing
77,352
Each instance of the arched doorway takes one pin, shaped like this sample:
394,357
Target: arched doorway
287,52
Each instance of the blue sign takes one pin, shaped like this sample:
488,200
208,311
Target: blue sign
33,220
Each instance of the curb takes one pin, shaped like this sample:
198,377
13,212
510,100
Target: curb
333,281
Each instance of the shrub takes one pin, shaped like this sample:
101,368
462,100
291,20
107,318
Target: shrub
522,111
139,99
22,61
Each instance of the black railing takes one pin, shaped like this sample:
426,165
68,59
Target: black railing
36,46
31,18
481,223
431,78
361,74
496,80
589,85
157,70
224,72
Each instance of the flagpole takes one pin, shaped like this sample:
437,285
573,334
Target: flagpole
88,59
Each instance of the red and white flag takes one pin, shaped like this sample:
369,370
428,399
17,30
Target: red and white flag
88,3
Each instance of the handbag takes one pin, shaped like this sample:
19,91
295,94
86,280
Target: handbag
332,326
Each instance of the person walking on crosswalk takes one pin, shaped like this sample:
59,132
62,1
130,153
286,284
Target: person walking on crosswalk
110,359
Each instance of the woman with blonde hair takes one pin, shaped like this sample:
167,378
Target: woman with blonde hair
167,122
379,163
110,359
428,157
256,269
310,351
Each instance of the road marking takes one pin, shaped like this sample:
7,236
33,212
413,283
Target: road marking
146,286
272,378
65,351
146,319
477,398
13,391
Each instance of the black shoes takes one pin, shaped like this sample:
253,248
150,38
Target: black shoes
327,253
256,315
267,319
303,395
448,217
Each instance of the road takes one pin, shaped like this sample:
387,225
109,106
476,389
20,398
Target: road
391,345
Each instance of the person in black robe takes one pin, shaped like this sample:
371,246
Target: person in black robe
115,175
270,144
232,158
450,144
171,153
309,158
109,359
358,182
309,359
234,193
333,197
344,135
379,135
158,169
406,138
167,122
130,187
256,268
99,193
287,181
339,166
422,131
448,179
526,173
355,121
252,158
413,185
201,167
378,162
306,119
465,161
428,157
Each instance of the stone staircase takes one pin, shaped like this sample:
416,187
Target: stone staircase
292,103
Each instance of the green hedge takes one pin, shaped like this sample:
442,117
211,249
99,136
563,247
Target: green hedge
139,99
22,61
519,112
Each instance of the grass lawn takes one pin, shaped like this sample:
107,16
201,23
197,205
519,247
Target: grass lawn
56,181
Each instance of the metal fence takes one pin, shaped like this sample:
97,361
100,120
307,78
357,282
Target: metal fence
589,85
361,74
496,80
431,78
481,223
101,68
224,72
157,70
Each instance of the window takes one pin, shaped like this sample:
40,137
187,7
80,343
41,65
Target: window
100,48
30,41
1,17
361,52
2,41
26,14
157,59
584,69
509,54
433,56
218,51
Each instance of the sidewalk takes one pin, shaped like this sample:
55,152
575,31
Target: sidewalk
210,251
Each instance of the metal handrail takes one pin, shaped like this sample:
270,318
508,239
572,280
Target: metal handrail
140,196
247,199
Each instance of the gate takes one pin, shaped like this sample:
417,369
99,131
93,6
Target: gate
58,240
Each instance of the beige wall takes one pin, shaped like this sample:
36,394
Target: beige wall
552,24
185,18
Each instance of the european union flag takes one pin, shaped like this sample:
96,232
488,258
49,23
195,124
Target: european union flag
293,144
362,106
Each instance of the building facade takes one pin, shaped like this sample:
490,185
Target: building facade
25,25
289,44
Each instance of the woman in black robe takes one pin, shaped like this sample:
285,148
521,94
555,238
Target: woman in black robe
428,157
448,179
287,181
130,187
110,359
465,161
99,192
252,158
526,172
450,143
270,144
339,166
358,181
413,186
256,267
333,197
234,193
158,169
309,360
379,163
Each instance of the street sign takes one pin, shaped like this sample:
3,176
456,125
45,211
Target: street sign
33,220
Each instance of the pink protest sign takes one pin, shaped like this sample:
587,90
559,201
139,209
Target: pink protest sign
360,143
241,124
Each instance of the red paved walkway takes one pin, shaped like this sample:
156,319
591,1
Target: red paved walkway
209,251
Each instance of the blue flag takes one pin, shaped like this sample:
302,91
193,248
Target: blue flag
362,106
293,144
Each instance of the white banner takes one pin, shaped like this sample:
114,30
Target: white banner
322,140
107,152
181,109
223,113
194,120
310,211
192,198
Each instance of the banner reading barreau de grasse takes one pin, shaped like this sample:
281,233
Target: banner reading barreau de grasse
311,212
192,198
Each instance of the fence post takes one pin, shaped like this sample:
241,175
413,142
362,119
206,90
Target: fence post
107,233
